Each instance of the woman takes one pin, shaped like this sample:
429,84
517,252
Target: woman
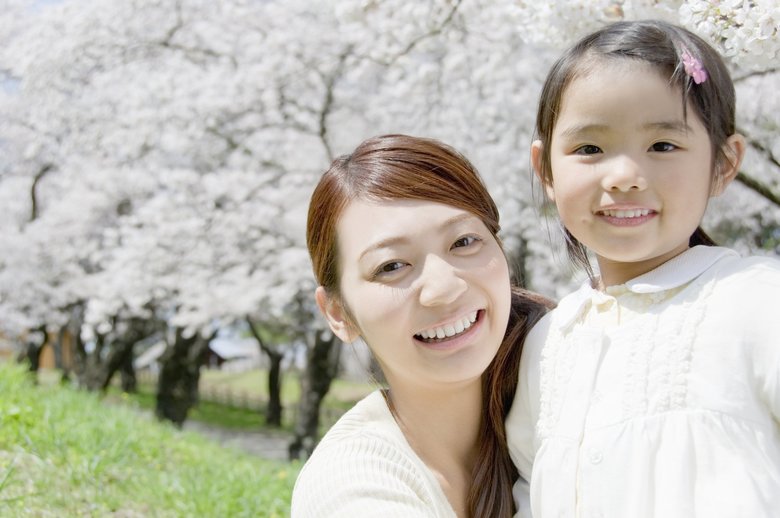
403,239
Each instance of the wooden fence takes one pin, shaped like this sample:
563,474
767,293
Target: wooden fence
243,399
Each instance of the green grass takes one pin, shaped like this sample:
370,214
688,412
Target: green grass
255,383
67,453
252,384
226,416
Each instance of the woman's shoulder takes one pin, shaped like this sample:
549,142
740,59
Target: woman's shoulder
364,460
371,413
368,422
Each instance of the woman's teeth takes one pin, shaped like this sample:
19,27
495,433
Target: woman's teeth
451,329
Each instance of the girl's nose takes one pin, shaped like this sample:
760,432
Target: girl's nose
440,283
623,174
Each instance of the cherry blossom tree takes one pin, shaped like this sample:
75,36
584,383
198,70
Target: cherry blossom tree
158,155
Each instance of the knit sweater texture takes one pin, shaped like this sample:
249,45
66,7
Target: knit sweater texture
365,467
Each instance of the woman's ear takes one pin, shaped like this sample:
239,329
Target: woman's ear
537,148
727,167
334,313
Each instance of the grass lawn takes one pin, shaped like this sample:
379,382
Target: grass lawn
255,383
252,385
67,453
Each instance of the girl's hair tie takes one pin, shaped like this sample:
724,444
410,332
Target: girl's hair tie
693,67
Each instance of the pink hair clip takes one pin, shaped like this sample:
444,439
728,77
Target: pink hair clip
693,67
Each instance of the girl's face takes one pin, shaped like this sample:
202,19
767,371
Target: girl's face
426,286
631,176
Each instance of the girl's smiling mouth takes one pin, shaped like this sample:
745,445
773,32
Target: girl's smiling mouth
626,217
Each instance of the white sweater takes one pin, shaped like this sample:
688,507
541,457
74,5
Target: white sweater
656,398
365,467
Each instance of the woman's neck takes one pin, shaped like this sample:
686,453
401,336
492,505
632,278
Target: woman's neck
442,427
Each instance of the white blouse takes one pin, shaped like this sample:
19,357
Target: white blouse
659,397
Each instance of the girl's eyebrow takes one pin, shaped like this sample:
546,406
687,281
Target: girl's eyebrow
578,130
675,125
395,240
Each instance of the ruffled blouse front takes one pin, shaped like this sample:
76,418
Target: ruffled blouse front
658,398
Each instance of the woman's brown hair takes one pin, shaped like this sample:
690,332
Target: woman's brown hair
413,168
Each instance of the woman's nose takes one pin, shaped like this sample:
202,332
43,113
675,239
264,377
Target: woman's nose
623,174
440,282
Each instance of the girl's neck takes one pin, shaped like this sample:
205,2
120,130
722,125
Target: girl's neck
442,427
613,273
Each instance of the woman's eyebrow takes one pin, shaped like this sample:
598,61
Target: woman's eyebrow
396,240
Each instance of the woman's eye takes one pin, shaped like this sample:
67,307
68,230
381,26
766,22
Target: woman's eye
588,149
662,147
392,266
465,241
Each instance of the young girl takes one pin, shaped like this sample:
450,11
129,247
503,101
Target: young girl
403,239
654,390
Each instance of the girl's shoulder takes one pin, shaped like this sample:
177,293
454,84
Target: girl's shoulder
749,272
568,307
765,264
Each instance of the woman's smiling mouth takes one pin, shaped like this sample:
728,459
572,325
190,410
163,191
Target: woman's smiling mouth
448,331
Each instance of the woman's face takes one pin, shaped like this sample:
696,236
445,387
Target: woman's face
426,286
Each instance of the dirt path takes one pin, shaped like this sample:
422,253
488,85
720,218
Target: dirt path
268,444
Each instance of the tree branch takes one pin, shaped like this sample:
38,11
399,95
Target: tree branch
34,189
430,34
758,187
756,74
267,349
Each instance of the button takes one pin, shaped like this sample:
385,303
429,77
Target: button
595,456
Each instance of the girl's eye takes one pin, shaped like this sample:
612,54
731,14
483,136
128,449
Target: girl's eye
587,149
662,147
388,268
465,241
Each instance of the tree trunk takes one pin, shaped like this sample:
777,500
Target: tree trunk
321,368
177,385
57,348
91,377
33,348
128,379
121,352
273,412
114,352
59,354
78,352
519,263
79,360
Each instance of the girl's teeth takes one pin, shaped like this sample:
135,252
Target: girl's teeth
627,213
452,329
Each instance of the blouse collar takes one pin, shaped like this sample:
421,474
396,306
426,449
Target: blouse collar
674,273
